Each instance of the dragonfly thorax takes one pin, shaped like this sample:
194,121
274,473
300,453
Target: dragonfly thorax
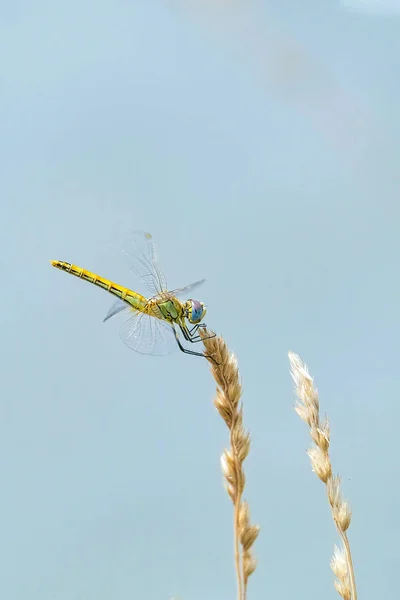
194,311
170,309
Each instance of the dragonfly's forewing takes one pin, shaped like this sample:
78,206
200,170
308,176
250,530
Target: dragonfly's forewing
178,291
188,288
140,254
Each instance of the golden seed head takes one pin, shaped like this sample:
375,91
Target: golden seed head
228,403
307,407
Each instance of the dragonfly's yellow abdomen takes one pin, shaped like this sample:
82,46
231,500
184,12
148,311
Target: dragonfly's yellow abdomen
137,301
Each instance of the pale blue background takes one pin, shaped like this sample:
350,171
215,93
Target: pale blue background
259,143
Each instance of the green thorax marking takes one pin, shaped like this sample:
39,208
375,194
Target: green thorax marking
170,309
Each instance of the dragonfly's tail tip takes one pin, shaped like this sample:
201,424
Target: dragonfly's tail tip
53,262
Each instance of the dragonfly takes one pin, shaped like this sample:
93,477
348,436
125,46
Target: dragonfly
154,322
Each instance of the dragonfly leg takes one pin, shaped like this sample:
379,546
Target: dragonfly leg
182,348
199,338
193,330
186,351
191,335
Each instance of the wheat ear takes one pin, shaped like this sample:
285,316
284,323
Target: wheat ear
307,407
227,401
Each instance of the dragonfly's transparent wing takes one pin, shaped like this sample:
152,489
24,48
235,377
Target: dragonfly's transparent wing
185,290
116,307
148,335
140,254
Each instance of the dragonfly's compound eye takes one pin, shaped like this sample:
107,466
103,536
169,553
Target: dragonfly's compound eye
196,311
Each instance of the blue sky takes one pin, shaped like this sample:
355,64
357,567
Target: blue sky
259,143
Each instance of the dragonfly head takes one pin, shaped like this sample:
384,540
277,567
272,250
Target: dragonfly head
194,311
